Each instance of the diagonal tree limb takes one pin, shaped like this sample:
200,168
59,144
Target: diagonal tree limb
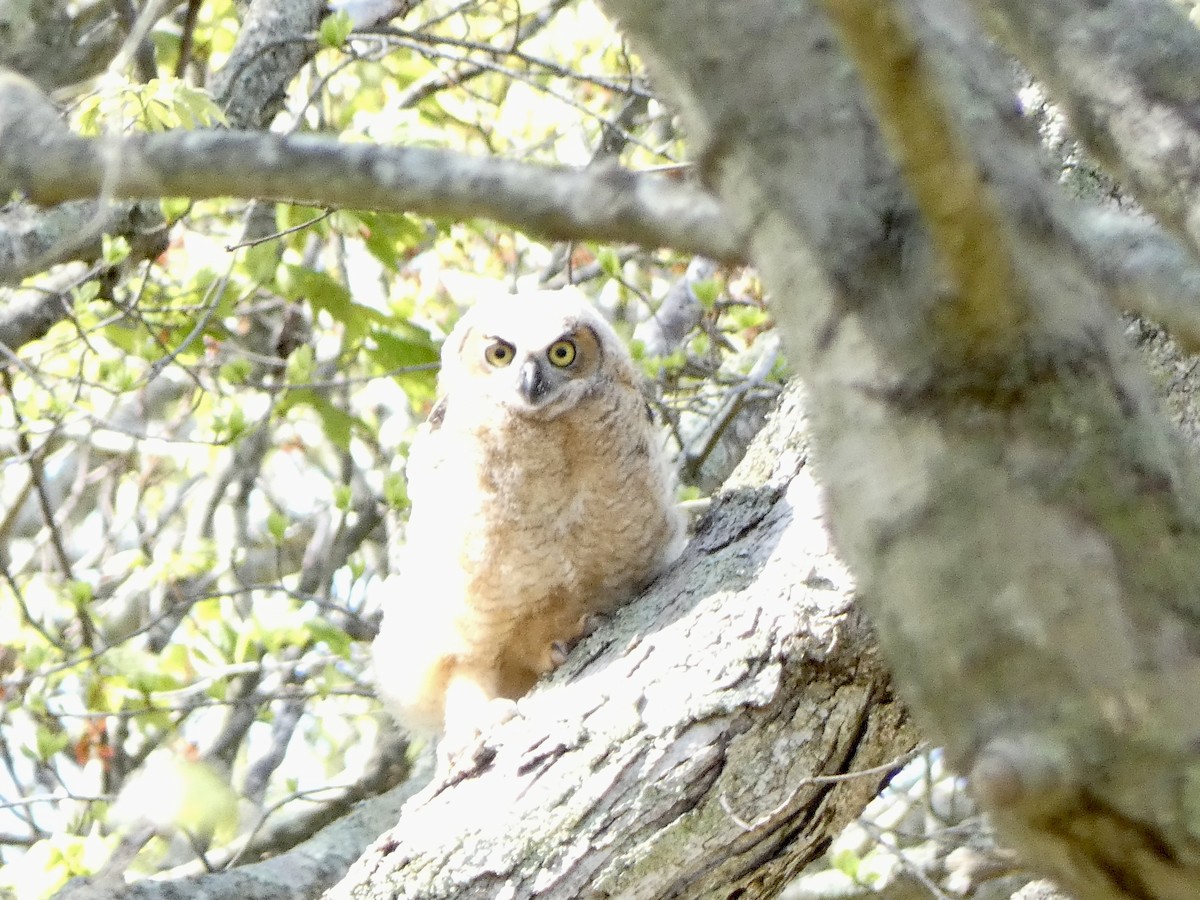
275,41
673,754
987,306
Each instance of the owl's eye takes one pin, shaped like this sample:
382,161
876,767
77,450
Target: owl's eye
562,353
499,354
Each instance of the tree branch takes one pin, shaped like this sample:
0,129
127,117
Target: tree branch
32,241
1125,73
673,755
1027,537
55,47
988,307
275,41
52,165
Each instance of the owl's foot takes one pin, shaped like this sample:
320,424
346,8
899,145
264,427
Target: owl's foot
561,649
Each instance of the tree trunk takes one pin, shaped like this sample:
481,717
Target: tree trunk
1021,519
674,754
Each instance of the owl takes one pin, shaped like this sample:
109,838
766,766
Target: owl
541,498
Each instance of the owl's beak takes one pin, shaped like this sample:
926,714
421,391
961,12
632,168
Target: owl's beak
533,383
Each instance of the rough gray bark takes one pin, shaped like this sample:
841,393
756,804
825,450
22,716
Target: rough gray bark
55,45
1022,520
275,41
602,201
680,750
1125,73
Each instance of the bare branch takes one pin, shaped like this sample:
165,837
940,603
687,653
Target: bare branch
603,202
1151,273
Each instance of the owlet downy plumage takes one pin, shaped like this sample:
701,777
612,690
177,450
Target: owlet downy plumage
541,496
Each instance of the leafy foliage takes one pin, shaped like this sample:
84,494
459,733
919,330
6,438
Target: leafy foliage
197,463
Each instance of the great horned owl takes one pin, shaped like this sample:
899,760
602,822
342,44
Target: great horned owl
541,496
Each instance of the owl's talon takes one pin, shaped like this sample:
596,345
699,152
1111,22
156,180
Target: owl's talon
561,649
558,653
588,623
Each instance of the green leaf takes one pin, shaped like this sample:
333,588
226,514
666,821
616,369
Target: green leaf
132,340
108,694
277,525
610,262
389,235
196,108
847,862
174,208
342,495
236,371
230,423
707,291
333,637
114,250
79,592
86,292
324,293
402,346
337,424
48,743
395,490
300,365
335,29
260,262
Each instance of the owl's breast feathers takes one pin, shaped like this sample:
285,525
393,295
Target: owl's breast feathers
550,520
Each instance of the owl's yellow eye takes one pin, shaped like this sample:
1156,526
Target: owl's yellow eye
499,354
562,353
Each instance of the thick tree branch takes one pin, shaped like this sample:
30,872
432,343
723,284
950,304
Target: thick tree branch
33,240
274,43
1125,72
55,45
674,754
604,202
1028,537
988,307
1150,272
